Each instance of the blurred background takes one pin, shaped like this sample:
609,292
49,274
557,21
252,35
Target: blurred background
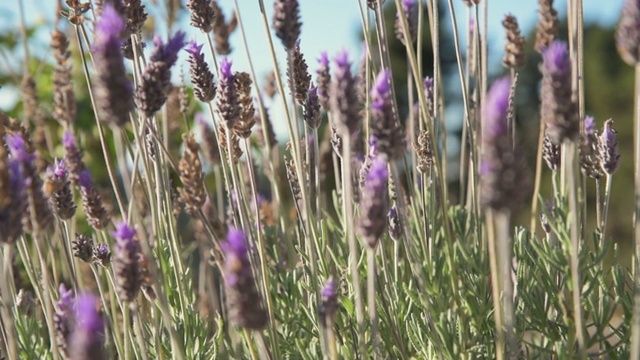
332,25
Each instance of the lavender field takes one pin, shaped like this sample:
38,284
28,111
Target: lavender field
163,197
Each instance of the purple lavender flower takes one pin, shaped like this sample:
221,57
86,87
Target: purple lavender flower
344,100
502,168
329,302
374,203
609,155
11,214
393,221
156,80
243,299
19,149
628,32
589,125
73,157
101,255
97,216
557,110
201,77
411,12
227,105
323,78
64,318
126,264
113,90
87,339
384,123
496,109
59,192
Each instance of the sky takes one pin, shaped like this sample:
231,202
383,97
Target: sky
328,25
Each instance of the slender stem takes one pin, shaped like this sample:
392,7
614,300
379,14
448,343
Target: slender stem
605,210
503,240
495,285
371,296
354,253
635,324
11,336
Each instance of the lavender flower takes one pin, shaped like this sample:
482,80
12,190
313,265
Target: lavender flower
609,155
113,90
311,108
243,299
384,123
410,9
64,318
73,157
227,99
97,215
209,142
126,266
87,339
344,100
203,87
57,188
286,21
323,78
628,32
373,203
547,28
395,226
329,302
155,85
192,193
514,46
558,111
101,255
82,247
202,14
428,94
589,150
38,209
299,78
14,201
502,168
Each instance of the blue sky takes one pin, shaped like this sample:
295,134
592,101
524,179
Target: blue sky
328,25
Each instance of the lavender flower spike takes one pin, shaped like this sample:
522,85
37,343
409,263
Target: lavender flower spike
126,262
87,339
63,318
113,90
329,304
374,203
227,104
609,155
243,298
502,167
628,32
156,80
558,111
202,14
323,78
97,215
311,108
344,99
201,77
59,192
286,21
384,124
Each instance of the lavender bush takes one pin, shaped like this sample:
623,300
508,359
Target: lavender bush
188,254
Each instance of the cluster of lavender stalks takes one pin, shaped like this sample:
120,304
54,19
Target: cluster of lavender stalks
347,245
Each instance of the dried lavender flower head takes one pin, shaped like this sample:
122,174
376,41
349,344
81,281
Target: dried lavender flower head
374,202
113,90
87,339
286,21
202,14
243,299
609,155
628,32
227,104
201,77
